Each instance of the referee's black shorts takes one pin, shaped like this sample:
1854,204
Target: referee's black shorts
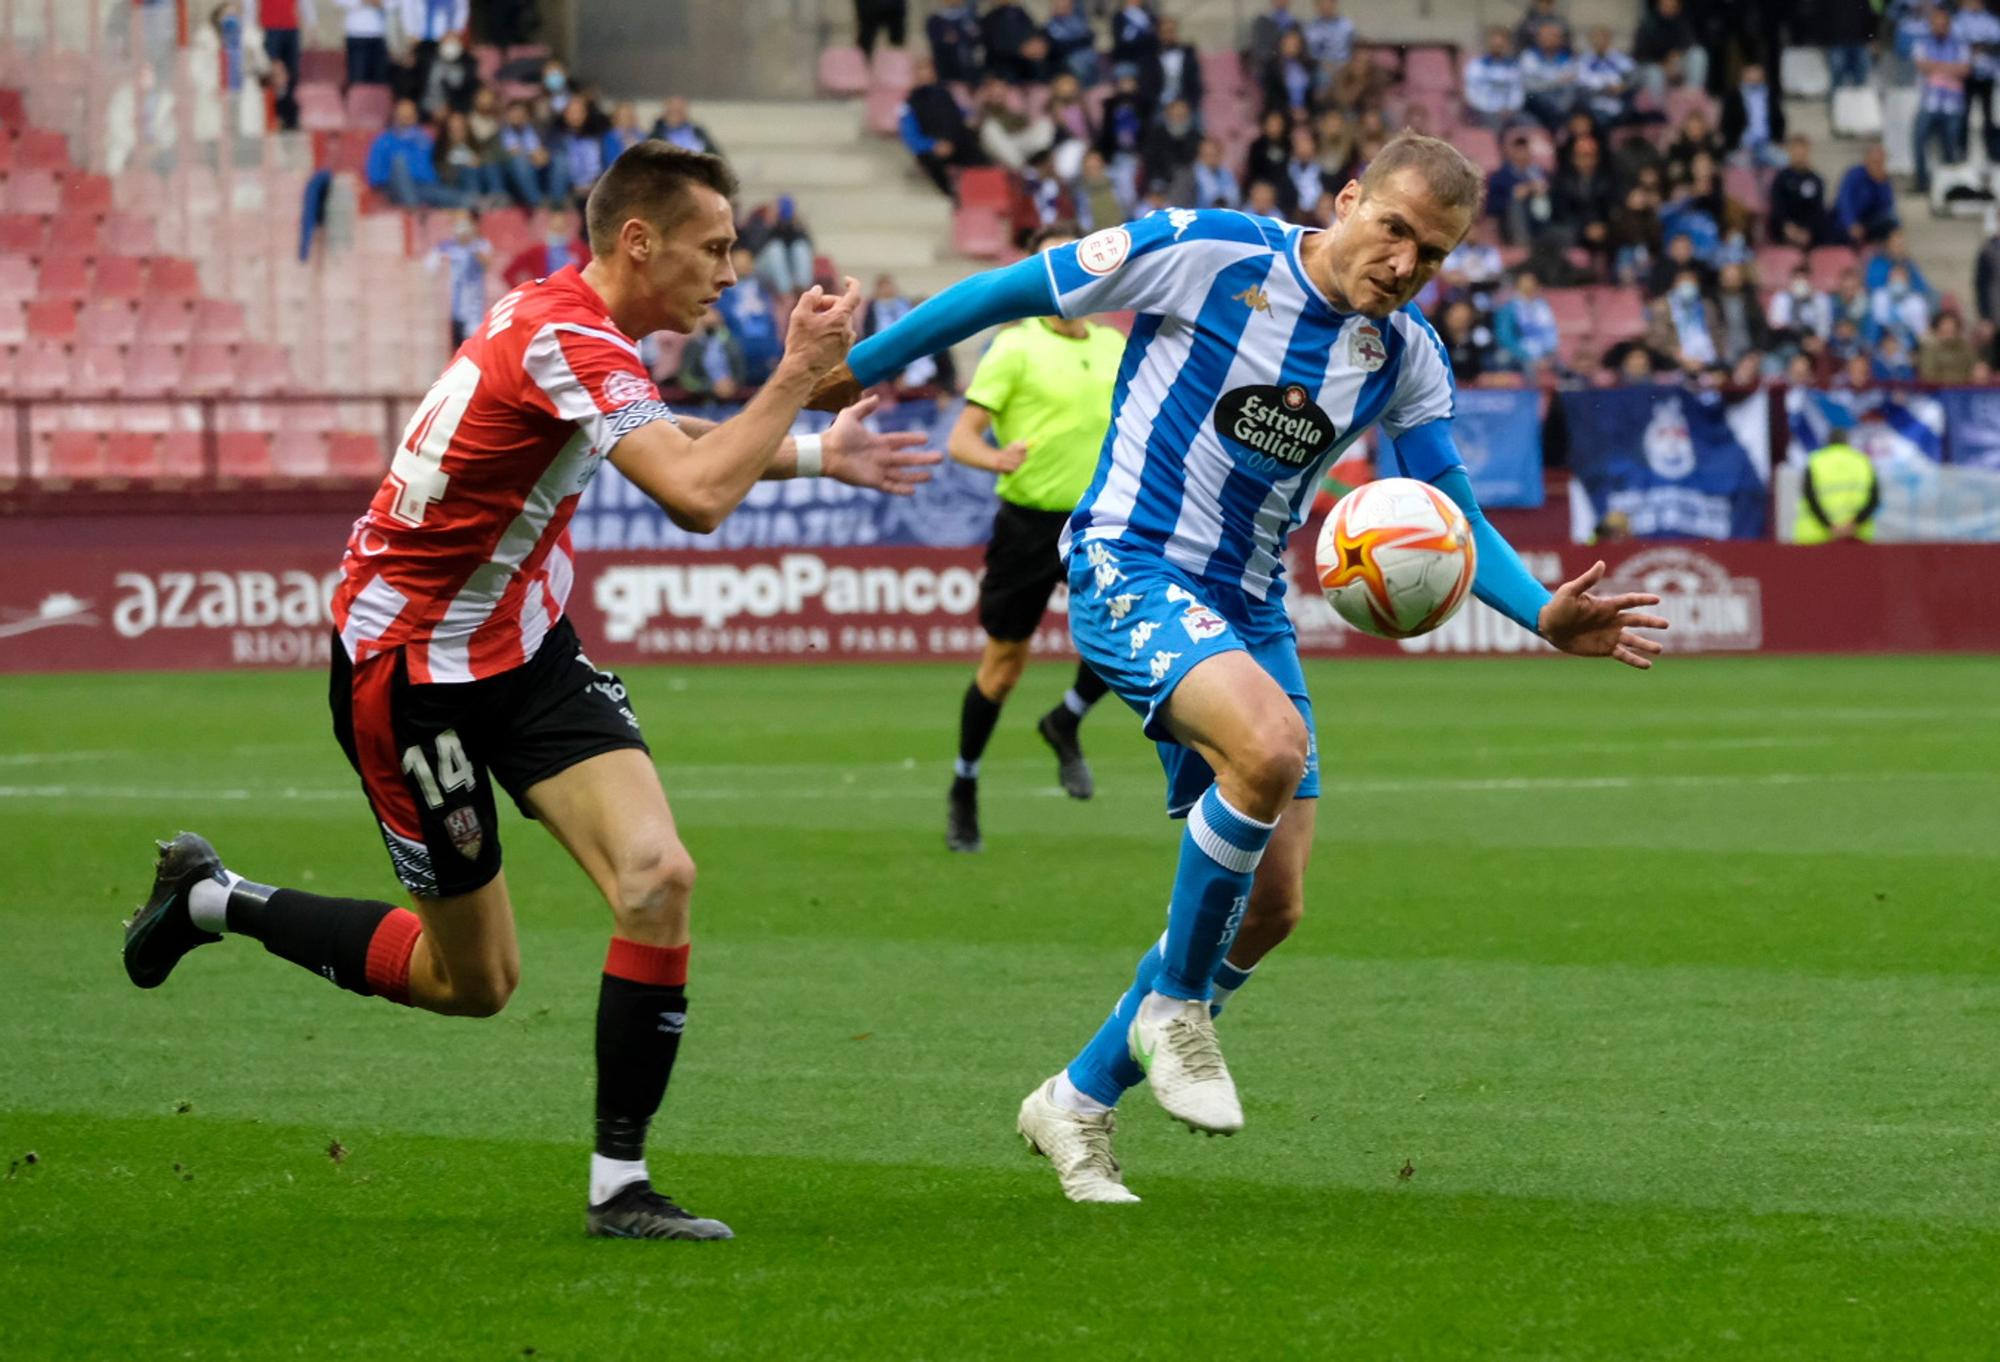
1022,570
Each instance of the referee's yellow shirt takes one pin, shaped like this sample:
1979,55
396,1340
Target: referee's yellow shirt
1053,393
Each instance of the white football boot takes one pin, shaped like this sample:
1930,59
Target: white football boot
1173,1040
1078,1146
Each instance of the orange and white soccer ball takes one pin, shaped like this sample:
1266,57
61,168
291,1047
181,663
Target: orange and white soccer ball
1396,558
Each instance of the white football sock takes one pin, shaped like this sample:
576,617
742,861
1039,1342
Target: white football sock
963,769
1075,703
610,1176
208,902
1069,1097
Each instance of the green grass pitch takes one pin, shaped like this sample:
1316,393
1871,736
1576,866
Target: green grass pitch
1633,1017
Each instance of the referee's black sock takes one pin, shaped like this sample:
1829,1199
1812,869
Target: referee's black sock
1085,691
975,726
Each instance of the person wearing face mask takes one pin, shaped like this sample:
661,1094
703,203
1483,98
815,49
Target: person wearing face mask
1695,324
1799,310
423,27
453,81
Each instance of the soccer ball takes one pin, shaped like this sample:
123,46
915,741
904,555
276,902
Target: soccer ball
1396,558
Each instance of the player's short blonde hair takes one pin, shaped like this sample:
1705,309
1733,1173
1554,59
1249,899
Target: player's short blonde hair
1454,181
649,181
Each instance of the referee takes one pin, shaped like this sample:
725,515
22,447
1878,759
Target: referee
1044,391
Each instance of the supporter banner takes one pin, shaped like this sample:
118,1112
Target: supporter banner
1972,424
1499,435
1881,424
954,509
1671,462
133,603
1937,502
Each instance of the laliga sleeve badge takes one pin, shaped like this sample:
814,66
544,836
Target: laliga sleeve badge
1365,350
1103,252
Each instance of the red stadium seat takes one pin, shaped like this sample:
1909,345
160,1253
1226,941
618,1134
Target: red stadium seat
132,454
355,454
1221,70
1684,101
73,234
322,66
183,454
156,371
883,111
1775,265
22,233
13,113
489,59
64,277
121,276
41,149
1621,314
1572,308
52,320
1746,186
368,107
843,71
218,320
978,231
128,234
42,369
1430,69
99,370
263,370
211,367
173,277
1480,146
891,68
107,321
1828,262
166,321
86,194
243,454
321,109
985,187
76,454
17,277
299,454
34,191
13,328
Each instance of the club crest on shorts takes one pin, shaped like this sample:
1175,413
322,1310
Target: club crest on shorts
1365,349
1201,623
466,834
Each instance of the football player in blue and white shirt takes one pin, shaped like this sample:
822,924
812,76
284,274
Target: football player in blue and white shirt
1261,351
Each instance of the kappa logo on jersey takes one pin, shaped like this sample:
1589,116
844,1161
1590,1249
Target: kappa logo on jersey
1280,423
1121,606
1365,349
622,386
1142,634
466,834
1163,662
1202,623
1182,219
1253,298
1103,252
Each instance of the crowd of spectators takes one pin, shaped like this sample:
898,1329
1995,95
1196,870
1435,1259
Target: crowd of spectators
1655,164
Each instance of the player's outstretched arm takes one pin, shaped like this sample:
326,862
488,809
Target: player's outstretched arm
966,308
1570,617
698,482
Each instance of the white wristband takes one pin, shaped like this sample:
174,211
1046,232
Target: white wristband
811,454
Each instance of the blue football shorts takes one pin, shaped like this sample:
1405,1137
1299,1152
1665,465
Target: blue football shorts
1142,624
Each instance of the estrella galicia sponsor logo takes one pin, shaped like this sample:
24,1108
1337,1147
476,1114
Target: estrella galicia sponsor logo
1281,423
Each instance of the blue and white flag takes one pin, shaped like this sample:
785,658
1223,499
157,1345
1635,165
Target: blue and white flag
1883,424
1498,432
1674,462
1972,426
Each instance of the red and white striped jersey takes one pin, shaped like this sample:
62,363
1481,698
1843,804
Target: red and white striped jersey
463,559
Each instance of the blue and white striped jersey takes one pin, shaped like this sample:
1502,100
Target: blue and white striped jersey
1240,384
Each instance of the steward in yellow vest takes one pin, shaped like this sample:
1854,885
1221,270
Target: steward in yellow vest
1839,497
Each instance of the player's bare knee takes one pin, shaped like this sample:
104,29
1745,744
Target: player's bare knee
1273,761
484,992
654,883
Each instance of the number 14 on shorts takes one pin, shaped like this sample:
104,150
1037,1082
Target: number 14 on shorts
453,771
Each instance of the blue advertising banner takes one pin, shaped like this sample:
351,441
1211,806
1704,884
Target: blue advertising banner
1671,462
1498,432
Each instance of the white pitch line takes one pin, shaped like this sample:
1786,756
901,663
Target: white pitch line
51,758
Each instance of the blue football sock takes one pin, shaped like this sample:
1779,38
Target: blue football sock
1220,849
1104,1068
1228,978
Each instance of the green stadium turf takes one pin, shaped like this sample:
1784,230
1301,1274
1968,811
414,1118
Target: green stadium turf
1633,1017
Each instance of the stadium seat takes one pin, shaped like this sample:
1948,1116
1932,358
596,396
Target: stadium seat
1827,263
1746,186
76,454
173,277
1221,70
1684,101
156,370
262,370
299,454
13,328
65,277
978,231
166,320
107,321
882,113
1775,264
86,194
322,66
843,71
368,107
321,108
183,454
132,454
1430,70
34,191
121,276
98,369
211,367
1621,314
242,454
12,113
73,234
41,369
41,149
127,234
17,277
1480,146
489,59
22,233
529,52
891,69
355,454
51,320
985,187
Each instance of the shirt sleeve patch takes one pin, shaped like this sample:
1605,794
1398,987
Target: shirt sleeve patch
1102,252
623,388
632,415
